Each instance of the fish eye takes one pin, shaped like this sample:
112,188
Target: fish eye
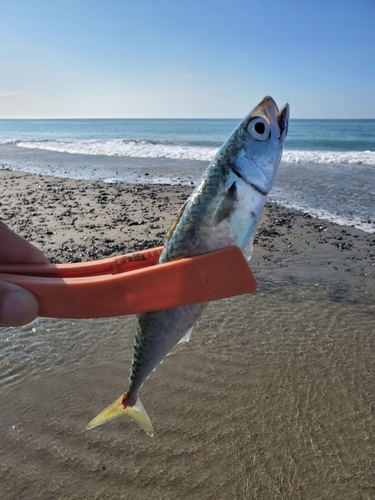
259,129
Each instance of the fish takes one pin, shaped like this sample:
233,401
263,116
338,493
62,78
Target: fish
222,211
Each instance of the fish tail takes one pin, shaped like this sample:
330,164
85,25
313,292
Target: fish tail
119,407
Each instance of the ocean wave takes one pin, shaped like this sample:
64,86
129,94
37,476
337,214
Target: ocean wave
7,141
186,151
342,158
127,148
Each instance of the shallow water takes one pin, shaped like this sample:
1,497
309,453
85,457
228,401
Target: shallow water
272,398
49,345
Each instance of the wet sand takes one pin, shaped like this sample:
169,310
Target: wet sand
272,398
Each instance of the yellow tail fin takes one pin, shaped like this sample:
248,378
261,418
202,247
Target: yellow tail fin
137,412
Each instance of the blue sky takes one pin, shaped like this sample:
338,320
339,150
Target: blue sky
186,58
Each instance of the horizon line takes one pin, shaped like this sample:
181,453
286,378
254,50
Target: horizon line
160,118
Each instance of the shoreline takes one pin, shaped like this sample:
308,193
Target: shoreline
347,204
108,169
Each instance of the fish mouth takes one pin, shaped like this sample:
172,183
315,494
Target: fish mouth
283,119
269,109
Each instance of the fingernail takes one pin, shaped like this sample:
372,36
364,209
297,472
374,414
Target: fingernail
18,307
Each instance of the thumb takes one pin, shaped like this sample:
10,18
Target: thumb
17,305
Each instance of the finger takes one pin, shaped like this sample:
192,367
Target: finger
17,305
15,249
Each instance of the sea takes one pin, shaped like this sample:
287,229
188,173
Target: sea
327,169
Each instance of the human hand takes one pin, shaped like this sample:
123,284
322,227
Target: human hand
17,305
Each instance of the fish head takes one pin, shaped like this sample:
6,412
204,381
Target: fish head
259,141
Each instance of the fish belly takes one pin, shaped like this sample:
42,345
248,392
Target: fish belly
157,333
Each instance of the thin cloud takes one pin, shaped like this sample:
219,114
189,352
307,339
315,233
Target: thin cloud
11,94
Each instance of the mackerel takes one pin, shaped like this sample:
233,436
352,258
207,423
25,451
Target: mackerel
222,211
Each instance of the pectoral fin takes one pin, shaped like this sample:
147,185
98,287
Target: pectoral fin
227,206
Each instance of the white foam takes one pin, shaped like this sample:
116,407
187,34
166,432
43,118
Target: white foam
342,220
342,158
8,141
128,148
150,149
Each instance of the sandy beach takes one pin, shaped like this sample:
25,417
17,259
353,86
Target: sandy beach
74,221
272,398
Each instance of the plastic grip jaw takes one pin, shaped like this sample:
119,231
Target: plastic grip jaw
132,283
